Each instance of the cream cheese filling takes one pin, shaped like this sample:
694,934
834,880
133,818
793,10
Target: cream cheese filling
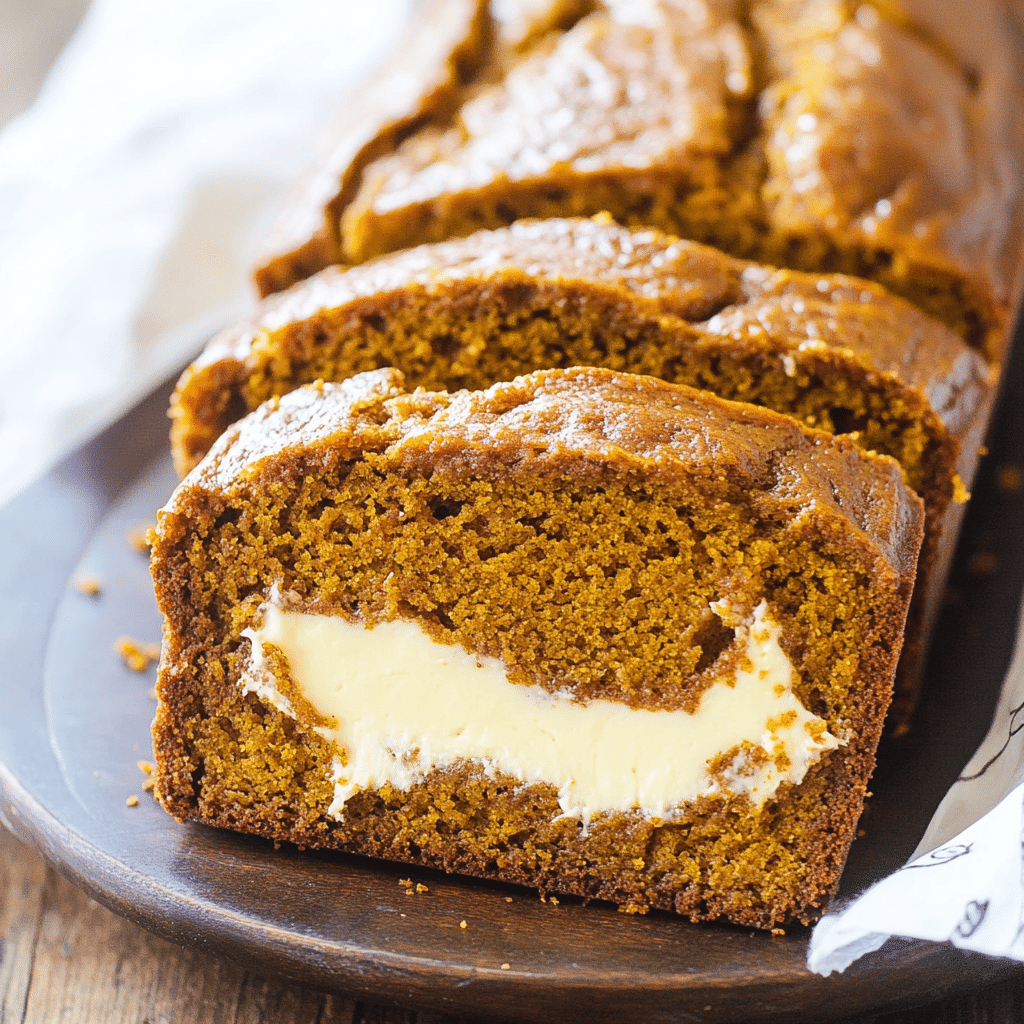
401,706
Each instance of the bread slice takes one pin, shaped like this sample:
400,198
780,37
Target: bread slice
584,631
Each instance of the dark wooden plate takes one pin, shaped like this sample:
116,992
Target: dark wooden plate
74,721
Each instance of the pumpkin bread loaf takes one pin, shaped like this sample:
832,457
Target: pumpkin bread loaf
874,139
666,624
837,353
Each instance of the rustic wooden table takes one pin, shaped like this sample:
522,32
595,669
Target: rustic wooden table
64,957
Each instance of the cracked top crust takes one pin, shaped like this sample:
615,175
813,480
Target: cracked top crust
693,292
577,422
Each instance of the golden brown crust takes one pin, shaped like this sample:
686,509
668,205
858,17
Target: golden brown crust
631,89
825,532
852,156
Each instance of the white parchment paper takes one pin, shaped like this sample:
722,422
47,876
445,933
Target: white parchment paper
964,883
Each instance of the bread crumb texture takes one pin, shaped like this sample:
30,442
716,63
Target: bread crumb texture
89,585
138,657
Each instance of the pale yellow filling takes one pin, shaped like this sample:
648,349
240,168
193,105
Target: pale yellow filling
402,705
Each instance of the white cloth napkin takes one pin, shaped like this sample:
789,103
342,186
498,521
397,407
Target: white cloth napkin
129,194
131,190
964,883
